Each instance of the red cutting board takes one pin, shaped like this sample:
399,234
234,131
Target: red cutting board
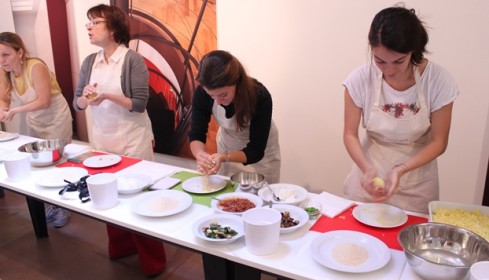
125,162
346,221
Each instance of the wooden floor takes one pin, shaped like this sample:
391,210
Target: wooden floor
76,251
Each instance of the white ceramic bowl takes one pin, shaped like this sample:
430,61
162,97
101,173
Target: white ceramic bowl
252,197
295,213
133,183
288,193
479,271
233,221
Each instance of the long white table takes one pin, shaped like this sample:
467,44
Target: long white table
292,260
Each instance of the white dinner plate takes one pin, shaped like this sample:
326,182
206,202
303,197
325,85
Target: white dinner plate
251,197
133,183
54,178
233,221
7,136
161,203
288,193
380,215
204,184
102,161
350,251
295,213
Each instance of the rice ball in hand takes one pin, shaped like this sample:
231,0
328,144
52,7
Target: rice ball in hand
378,184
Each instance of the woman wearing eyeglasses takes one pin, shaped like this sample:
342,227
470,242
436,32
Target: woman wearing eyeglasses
114,84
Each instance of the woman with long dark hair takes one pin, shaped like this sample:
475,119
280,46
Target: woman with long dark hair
247,139
405,103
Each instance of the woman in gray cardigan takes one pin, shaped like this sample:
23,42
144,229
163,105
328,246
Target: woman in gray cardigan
114,83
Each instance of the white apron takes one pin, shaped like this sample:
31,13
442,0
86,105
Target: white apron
114,128
50,123
390,141
229,138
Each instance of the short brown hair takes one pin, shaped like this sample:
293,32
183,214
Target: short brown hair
116,21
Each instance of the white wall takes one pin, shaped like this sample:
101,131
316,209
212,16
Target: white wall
7,22
80,47
42,36
302,51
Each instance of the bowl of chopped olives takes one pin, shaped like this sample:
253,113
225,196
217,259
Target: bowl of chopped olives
293,217
219,228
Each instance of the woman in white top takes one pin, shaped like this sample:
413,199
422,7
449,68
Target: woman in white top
405,104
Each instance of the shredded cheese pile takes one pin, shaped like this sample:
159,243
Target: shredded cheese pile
472,220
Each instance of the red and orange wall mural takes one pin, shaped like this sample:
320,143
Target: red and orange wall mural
172,35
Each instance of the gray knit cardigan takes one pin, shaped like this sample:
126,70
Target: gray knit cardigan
134,80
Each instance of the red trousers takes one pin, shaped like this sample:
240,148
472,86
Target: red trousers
151,252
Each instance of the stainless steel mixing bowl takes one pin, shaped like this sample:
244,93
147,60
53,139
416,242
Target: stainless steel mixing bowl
44,152
438,251
248,181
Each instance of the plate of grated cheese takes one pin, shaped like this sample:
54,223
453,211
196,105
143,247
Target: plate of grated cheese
204,184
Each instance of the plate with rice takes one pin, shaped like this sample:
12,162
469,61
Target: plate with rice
471,217
350,251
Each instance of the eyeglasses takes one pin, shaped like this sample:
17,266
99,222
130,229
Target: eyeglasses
93,23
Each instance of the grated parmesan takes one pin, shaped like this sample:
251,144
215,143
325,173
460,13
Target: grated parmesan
472,220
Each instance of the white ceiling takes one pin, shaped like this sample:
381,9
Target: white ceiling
24,5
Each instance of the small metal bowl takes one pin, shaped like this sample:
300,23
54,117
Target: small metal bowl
248,181
438,251
45,152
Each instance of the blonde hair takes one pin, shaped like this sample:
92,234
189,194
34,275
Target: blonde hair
15,42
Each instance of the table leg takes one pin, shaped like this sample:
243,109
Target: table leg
217,268
244,272
38,217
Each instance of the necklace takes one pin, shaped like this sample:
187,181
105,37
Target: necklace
402,83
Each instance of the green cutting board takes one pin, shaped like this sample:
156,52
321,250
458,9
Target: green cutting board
204,199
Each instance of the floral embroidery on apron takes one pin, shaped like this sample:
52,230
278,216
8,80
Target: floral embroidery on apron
390,141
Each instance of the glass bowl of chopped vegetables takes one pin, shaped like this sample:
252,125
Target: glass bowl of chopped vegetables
312,207
219,228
